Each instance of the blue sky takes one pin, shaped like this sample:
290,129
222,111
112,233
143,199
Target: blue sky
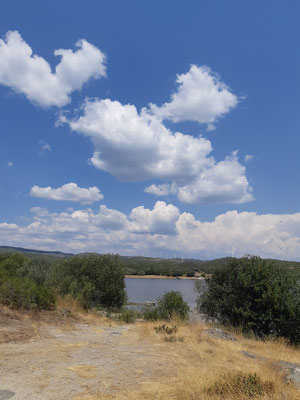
80,144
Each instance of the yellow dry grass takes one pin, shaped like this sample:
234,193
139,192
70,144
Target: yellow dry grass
190,366
200,361
84,371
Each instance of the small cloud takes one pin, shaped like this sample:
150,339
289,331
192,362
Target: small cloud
68,192
200,96
10,164
44,146
210,127
248,158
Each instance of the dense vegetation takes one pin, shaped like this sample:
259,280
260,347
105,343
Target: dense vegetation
257,295
17,290
95,280
34,282
150,266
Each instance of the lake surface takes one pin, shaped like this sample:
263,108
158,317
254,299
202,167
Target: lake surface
140,290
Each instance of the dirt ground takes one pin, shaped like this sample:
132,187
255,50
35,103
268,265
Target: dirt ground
85,356
78,361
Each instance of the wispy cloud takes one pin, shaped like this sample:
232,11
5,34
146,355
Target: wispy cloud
44,146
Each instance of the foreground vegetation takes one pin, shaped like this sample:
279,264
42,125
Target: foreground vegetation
34,283
257,296
174,359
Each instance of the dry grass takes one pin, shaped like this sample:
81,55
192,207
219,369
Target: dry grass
208,368
20,326
195,366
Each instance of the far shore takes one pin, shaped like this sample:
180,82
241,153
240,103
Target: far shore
161,277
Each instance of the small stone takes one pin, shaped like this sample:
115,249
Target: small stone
291,372
65,312
248,354
6,394
220,334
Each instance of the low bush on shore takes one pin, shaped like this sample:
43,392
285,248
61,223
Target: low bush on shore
170,305
254,295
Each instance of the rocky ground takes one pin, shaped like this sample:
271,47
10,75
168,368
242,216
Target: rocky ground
83,361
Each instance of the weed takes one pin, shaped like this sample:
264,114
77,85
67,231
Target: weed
240,384
169,330
128,316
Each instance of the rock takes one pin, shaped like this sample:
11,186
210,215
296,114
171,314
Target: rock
248,354
220,334
65,312
291,372
6,394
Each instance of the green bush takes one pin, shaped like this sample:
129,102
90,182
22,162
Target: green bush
17,290
240,385
172,304
13,263
23,293
253,294
95,280
128,316
150,313
40,269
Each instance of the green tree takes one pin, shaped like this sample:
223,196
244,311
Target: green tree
96,280
254,294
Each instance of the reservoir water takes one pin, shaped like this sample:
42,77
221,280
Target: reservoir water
140,290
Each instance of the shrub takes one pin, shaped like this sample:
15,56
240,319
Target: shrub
169,330
128,316
40,269
240,385
96,280
12,263
255,295
150,313
23,293
172,304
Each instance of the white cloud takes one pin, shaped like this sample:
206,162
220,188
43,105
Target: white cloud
68,192
162,190
160,220
201,96
248,158
10,164
44,146
157,230
137,146
225,182
31,75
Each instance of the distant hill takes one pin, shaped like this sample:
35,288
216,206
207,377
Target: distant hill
36,252
149,265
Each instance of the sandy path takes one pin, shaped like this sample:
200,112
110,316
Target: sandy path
86,362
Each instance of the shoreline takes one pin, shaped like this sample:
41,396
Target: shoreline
161,277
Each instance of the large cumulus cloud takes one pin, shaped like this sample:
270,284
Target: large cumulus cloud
134,145
157,231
